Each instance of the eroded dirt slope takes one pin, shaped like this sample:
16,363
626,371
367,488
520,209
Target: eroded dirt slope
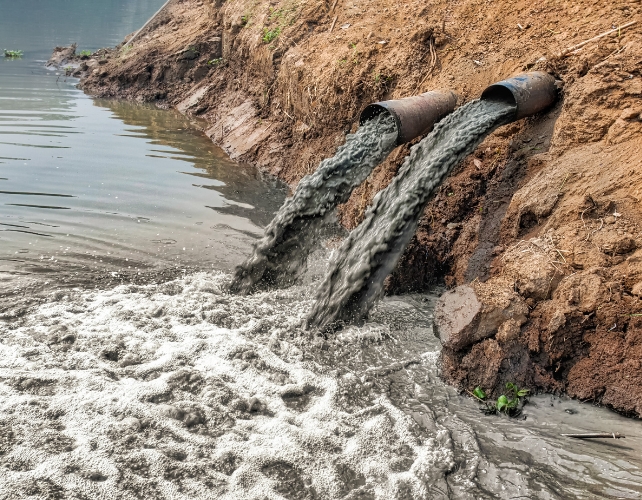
547,208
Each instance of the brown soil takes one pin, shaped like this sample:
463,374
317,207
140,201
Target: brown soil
548,206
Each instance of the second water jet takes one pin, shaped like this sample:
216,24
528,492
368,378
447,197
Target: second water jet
294,231
371,252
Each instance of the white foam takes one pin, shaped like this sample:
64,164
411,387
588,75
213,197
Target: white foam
177,424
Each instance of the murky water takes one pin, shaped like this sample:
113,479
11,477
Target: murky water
371,252
297,228
177,389
109,186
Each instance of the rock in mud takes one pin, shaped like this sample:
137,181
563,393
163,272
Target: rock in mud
471,313
529,265
62,55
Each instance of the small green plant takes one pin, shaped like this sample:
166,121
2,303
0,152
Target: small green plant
13,54
270,34
215,62
124,51
341,62
355,53
85,53
244,19
381,79
275,14
479,393
509,404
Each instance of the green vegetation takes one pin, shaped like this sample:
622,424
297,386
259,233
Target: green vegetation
270,34
286,15
13,54
509,404
479,393
380,79
86,53
278,20
355,53
216,62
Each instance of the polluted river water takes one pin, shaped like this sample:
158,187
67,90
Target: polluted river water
174,388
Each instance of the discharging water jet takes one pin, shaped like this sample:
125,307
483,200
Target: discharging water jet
370,253
295,230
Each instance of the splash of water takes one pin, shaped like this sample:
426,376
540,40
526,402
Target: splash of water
370,253
295,230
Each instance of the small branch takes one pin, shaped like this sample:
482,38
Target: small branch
333,6
606,59
573,48
598,435
563,183
333,23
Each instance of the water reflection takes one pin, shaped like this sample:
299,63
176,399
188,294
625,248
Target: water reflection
242,186
106,185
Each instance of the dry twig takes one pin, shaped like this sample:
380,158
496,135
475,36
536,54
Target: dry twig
333,23
614,435
573,48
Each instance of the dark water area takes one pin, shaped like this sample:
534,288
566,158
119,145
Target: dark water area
107,186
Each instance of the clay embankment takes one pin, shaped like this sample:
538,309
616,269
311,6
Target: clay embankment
542,223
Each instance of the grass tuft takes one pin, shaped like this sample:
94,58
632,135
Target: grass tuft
270,34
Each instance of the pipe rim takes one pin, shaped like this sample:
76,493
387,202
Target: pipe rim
371,111
499,93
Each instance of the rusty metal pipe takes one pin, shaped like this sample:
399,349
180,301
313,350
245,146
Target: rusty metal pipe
529,92
415,115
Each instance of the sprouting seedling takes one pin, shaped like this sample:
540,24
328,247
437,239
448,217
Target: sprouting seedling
12,54
269,35
479,393
508,404
85,53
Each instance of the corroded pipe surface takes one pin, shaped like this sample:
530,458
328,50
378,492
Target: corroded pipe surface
529,92
415,115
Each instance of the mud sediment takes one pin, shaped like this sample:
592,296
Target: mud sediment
547,207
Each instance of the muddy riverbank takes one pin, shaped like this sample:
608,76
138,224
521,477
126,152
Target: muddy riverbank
546,211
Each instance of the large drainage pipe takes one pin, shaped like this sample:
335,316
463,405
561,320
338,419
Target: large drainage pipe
414,116
530,93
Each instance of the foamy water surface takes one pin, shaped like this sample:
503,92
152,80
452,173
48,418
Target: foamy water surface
181,390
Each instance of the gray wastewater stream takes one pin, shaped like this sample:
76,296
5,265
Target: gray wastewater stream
176,388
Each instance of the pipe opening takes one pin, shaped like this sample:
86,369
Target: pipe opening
373,110
499,93
414,116
530,93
